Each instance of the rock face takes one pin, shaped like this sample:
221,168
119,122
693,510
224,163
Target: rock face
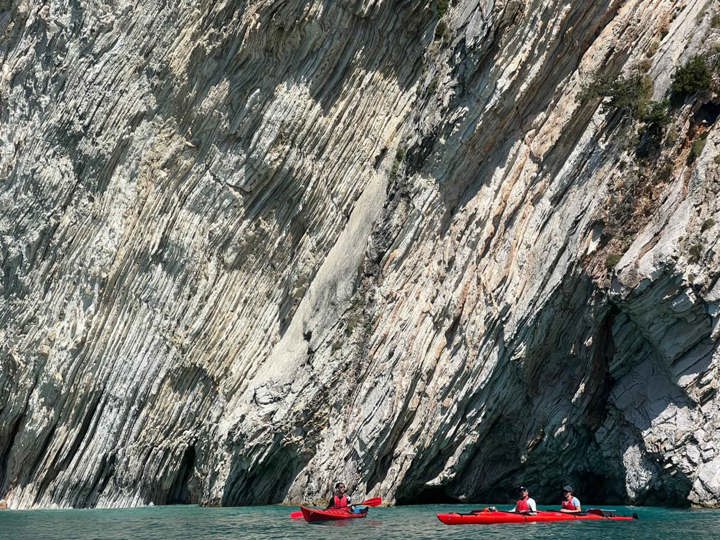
249,248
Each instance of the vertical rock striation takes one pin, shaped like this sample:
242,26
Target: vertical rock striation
248,248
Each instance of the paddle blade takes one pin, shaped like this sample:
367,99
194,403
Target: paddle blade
296,515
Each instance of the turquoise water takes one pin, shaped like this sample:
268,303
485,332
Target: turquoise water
273,522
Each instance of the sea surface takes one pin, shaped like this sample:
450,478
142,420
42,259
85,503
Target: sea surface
273,522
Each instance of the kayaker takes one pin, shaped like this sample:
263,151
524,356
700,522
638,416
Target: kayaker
339,498
525,504
570,503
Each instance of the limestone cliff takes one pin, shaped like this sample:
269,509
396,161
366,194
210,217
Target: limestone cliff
432,248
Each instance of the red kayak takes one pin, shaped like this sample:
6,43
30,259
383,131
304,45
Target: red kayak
312,515
489,517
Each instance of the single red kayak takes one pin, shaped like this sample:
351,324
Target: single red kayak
488,517
312,515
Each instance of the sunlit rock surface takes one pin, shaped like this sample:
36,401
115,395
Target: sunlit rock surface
250,248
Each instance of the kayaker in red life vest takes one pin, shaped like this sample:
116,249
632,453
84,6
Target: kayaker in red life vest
570,504
525,504
339,498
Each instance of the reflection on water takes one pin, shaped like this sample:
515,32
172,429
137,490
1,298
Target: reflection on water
273,522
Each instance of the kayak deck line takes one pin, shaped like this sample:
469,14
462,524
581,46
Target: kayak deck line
487,517
353,509
576,514
314,515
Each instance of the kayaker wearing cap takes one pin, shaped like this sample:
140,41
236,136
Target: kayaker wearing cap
570,503
525,504
339,498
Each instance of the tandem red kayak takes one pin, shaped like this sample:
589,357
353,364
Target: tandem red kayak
488,517
312,515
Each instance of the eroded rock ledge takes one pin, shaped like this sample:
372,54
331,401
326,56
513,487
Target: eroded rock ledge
248,248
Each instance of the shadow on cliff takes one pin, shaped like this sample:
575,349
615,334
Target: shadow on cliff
556,416
267,480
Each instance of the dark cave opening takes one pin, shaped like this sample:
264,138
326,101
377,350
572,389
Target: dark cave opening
179,493
594,488
707,113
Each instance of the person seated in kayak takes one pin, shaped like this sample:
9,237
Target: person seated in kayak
339,498
525,504
570,503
